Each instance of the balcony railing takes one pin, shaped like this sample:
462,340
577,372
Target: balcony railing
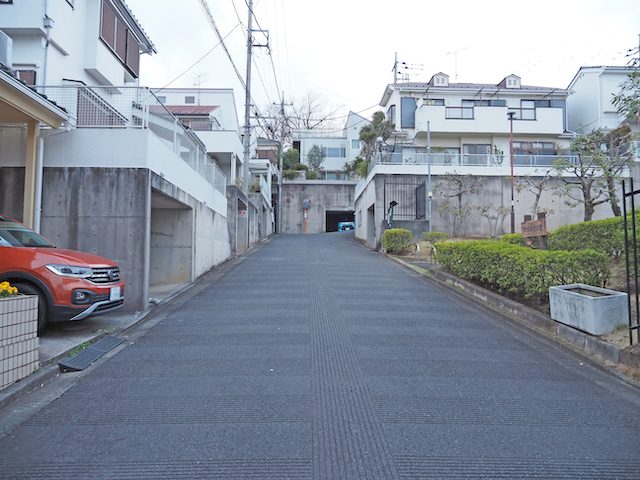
464,160
136,107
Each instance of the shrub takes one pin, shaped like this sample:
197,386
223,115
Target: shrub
434,237
519,270
395,240
605,236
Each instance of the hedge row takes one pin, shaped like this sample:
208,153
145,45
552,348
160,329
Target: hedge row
604,236
513,269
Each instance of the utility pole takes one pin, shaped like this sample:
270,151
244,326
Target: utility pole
246,143
280,164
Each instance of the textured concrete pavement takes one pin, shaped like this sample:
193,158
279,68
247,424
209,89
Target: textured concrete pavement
315,358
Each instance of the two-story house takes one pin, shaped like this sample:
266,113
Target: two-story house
338,146
590,101
126,179
461,129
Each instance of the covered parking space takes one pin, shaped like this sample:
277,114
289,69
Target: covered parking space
23,107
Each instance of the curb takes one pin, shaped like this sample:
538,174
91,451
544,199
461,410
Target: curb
625,357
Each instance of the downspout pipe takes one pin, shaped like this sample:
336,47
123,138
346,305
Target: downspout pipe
37,214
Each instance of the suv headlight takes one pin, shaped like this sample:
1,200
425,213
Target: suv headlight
71,271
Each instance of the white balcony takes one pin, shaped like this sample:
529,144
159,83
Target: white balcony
136,108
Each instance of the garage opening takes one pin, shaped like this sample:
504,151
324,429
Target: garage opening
171,245
335,217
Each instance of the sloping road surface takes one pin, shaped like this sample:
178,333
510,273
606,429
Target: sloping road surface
315,358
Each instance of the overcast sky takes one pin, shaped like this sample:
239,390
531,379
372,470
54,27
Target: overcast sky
344,49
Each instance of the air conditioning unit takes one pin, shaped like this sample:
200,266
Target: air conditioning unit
6,47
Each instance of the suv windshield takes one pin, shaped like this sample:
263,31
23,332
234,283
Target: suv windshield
14,234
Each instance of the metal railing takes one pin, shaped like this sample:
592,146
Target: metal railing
467,159
409,199
459,113
136,107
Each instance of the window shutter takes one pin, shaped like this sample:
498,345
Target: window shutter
133,54
108,27
121,40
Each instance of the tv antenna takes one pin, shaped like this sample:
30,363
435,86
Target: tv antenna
455,60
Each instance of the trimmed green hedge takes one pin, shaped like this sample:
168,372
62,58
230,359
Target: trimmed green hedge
604,236
520,270
395,240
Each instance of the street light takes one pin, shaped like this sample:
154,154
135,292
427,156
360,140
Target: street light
513,215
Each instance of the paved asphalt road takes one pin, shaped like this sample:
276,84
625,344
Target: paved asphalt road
315,358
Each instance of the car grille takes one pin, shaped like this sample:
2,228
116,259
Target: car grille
109,306
105,275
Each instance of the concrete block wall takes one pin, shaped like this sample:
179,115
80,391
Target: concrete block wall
18,338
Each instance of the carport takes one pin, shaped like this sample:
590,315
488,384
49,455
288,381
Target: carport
20,105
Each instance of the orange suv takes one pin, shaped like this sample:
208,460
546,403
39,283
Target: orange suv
70,285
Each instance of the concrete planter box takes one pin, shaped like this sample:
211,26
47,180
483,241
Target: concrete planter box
591,309
19,355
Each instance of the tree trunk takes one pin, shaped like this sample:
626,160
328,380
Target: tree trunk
588,211
613,199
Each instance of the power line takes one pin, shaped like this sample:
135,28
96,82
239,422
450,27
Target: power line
200,59
212,22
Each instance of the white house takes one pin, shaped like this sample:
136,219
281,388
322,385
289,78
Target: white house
463,129
590,101
338,146
126,179
211,114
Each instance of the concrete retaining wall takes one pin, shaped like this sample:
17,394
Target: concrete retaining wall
324,196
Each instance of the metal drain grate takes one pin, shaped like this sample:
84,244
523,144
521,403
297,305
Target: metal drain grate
89,355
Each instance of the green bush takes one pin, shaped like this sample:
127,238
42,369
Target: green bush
434,237
514,269
395,240
605,236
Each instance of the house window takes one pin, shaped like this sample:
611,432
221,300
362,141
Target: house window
189,99
476,154
115,34
334,152
408,112
28,76
434,102
162,99
391,115
355,144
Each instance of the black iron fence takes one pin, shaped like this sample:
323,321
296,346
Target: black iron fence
631,257
410,199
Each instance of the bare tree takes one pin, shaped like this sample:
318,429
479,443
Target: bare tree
536,185
307,113
600,159
455,185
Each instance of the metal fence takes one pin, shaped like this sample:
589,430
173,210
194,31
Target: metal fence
136,107
410,198
631,256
